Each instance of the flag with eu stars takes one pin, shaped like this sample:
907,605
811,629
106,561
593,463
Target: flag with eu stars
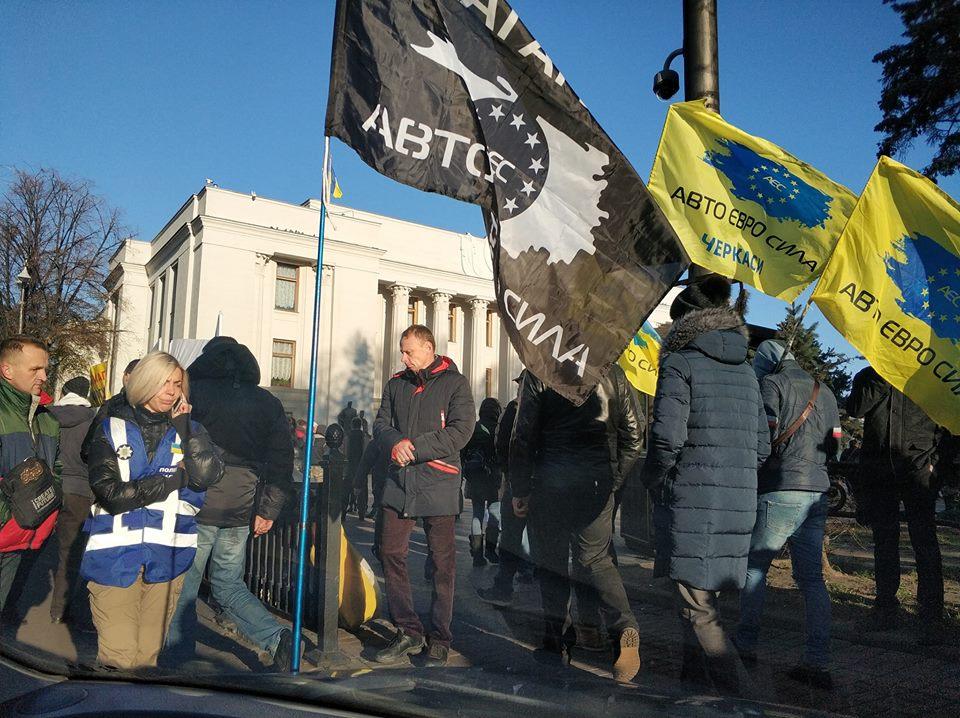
640,361
742,206
892,287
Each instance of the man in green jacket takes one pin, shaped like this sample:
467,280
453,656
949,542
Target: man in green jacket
26,429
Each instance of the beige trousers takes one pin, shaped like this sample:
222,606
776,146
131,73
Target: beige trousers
132,622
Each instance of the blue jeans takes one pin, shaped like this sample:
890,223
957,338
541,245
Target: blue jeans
798,519
226,551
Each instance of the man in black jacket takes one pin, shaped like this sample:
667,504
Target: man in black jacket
899,462
249,425
76,417
566,462
425,418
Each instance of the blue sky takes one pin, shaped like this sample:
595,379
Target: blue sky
148,99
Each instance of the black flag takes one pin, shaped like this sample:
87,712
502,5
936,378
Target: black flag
456,97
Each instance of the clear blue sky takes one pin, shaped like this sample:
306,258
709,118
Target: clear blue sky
148,99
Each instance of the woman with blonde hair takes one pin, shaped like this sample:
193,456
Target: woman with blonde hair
149,467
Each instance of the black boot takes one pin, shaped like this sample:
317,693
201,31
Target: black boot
490,550
476,550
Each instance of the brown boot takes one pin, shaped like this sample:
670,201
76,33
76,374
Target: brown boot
627,664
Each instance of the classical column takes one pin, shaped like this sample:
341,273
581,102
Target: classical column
474,350
399,304
441,320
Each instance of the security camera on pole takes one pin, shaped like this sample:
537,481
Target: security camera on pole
701,76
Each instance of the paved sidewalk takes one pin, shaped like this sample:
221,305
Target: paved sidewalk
875,675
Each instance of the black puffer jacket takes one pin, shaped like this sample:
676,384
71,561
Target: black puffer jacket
557,447
434,409
708,436
800,462
201,467
248,423
898,436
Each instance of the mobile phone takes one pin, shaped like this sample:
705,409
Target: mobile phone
173,409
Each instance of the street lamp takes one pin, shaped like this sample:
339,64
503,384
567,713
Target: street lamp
23,279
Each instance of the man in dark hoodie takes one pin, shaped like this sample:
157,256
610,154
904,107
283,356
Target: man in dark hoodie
709,434
902,460
249,425
75,416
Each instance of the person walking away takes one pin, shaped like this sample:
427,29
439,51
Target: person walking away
356,445
249,426
75,416
898,463
566,463
479,461
708,436
150,465
426,417
27,431
792,487
514,545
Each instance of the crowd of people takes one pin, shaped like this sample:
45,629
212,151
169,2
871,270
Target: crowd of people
167,481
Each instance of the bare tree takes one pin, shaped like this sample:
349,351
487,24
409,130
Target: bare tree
64,235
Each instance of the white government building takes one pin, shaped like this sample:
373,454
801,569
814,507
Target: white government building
250,262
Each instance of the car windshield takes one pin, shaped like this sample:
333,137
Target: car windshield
534,451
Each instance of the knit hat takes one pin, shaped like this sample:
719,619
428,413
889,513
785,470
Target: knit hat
79,385
768,356
711,292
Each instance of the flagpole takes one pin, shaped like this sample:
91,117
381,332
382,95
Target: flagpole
311,410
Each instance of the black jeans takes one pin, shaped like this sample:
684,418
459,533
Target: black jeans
71,542
884,497
511,542
577,522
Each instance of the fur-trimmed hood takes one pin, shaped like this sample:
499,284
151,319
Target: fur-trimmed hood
717,332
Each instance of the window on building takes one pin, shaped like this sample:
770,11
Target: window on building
452,323
489,383
412,313
286,291
160,286
490,325
173,302
154,314
281,368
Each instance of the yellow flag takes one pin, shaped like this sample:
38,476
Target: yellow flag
337,192
742,206
892,288
641,359
98,383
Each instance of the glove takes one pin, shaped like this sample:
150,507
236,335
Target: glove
177,480
181,423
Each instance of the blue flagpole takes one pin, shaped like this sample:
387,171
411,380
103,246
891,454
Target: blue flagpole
311,408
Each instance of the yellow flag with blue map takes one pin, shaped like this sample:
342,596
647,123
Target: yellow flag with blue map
892,288
641,359
742,206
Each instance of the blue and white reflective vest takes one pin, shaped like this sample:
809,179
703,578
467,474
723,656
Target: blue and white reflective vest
160,538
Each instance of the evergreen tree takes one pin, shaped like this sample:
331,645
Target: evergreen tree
826,364
921,83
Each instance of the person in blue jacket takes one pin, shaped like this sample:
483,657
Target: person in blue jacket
149,467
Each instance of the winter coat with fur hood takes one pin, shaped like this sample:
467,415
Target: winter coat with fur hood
709,434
